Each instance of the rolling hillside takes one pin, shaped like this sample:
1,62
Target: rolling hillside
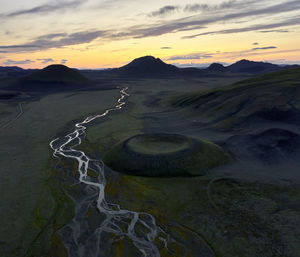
272,97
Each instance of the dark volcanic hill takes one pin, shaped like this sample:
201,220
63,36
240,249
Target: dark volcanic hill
148,66
53,77
13,72
10,68
216,67
245,66
151,67
57,73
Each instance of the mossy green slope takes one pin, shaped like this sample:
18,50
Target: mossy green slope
164,155
274,96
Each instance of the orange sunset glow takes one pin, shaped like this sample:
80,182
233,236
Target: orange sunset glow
103,34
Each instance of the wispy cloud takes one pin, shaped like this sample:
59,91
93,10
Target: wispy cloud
275,30
9,62
242,54
165,10
46,60
195,64
206,7
52,36
16,47
192,56
257,27
63,39
194,8
166,47
46,8
231,55
63,61
195,22
264,48
283,61
56,41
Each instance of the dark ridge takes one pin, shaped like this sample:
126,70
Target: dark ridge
10,68
246,66
151,67
216,67
57,73
148,66
8,72
53,77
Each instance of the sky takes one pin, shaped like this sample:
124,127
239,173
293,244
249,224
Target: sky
110,33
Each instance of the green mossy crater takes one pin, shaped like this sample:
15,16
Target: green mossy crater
165,155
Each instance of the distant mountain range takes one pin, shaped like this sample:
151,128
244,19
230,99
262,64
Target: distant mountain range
143,67
149,66
245,66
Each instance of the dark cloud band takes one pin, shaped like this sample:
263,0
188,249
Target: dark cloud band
46,8
165,10
57,40
257,27
193,56
264,48
13,62
53,41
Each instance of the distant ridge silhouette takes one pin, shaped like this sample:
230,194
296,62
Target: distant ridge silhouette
57,73
13,72
10,68
142,67
148,66
246,66
53,77
216,67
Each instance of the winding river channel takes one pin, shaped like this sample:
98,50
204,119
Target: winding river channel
115,223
